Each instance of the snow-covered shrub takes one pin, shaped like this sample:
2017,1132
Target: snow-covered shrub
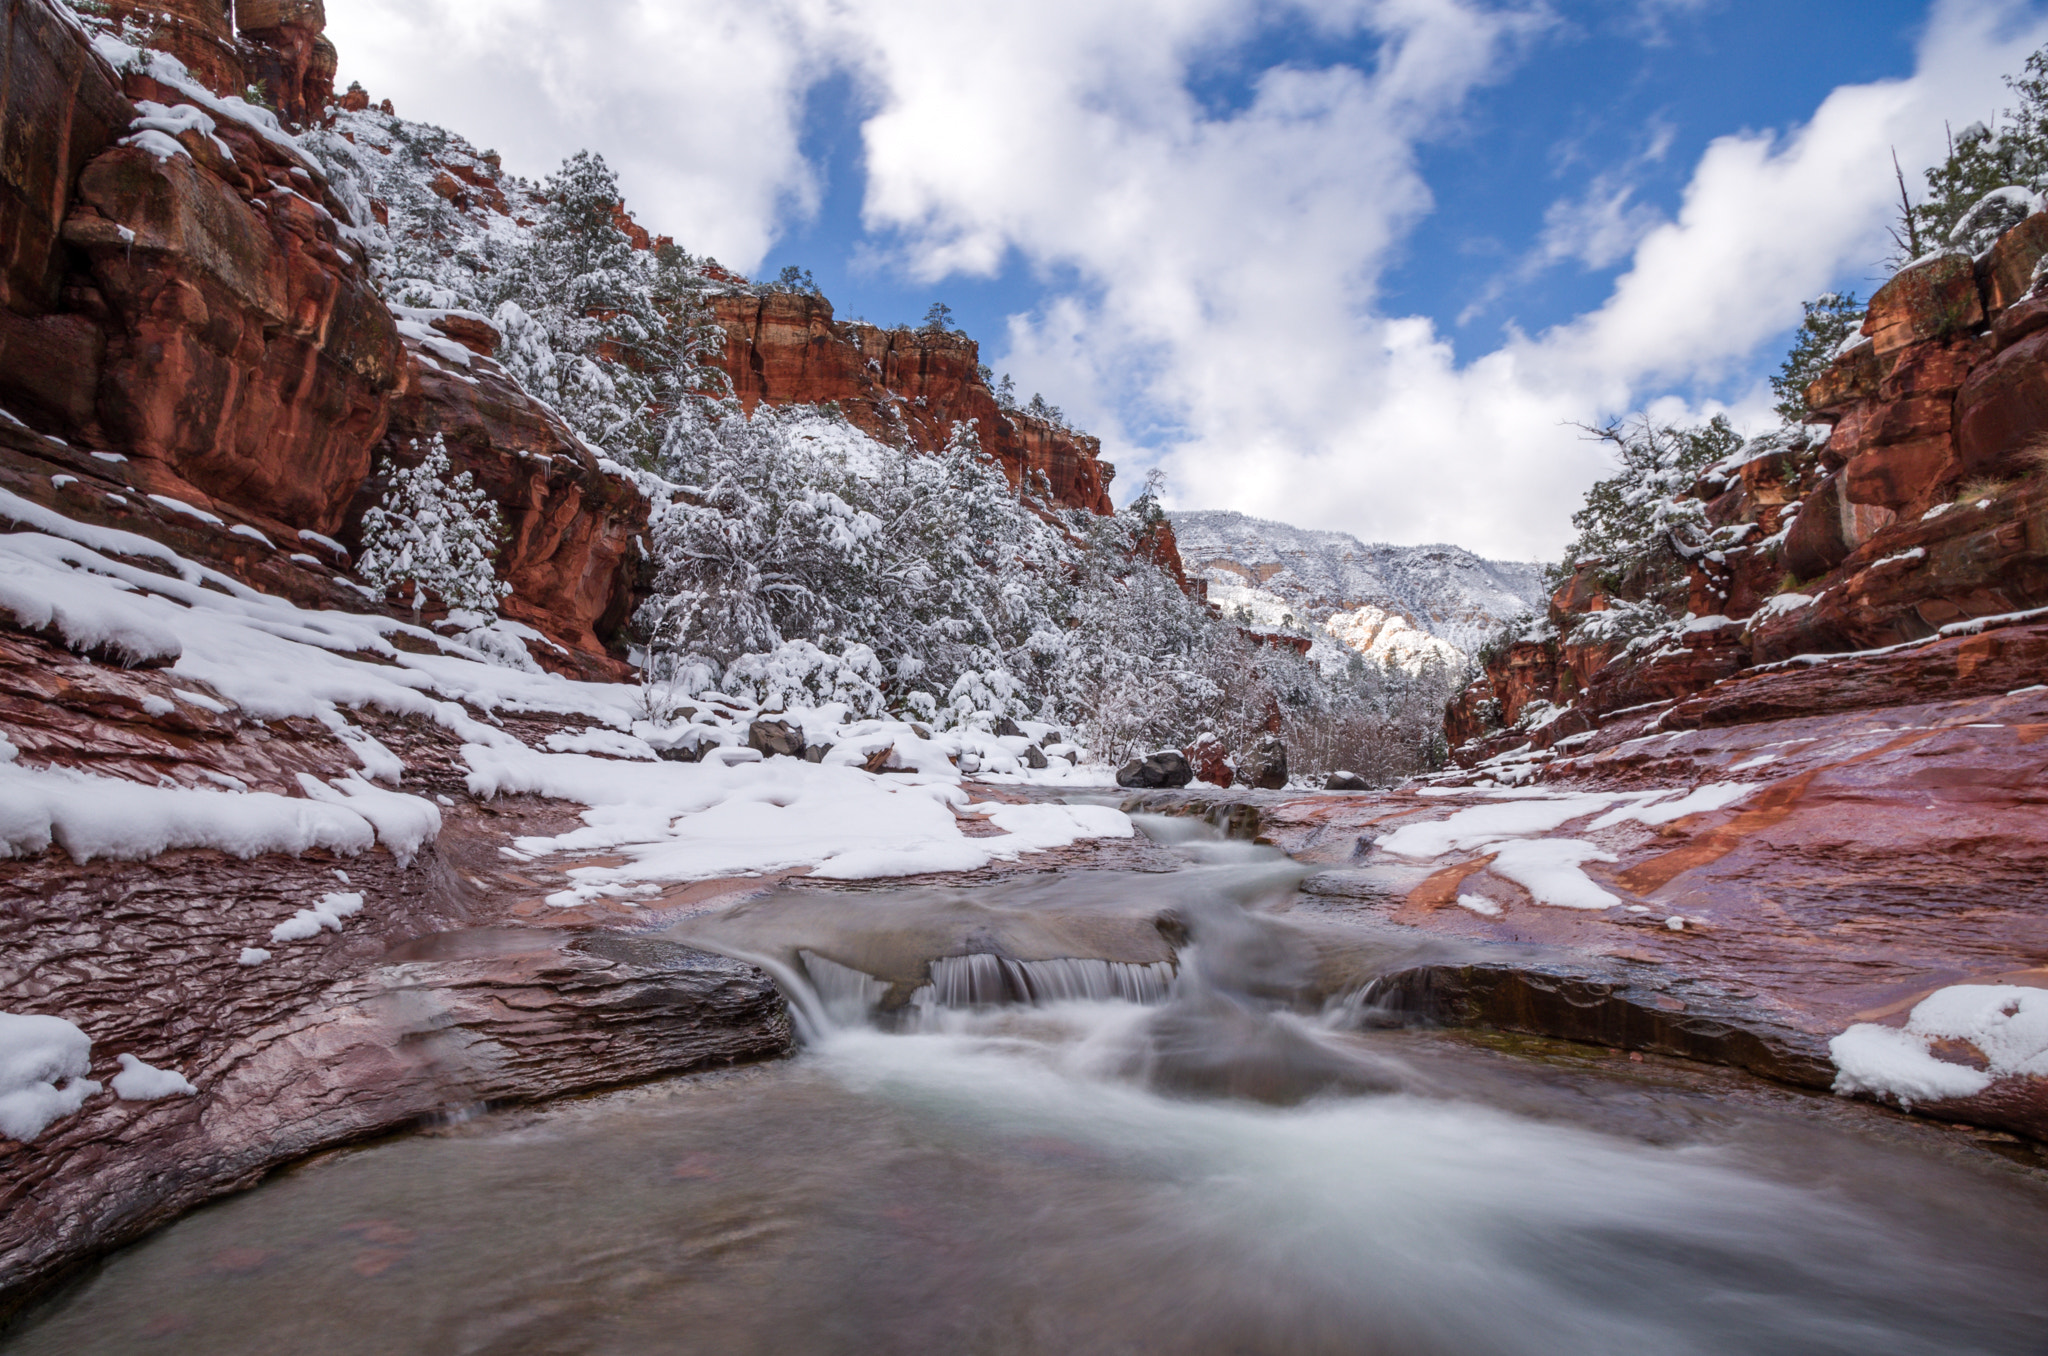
437,533
1621,621
799,674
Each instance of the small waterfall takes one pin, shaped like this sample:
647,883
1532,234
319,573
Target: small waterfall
847,996
984,980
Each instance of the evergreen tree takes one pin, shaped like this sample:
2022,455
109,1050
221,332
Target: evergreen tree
1639,524
2010,152
436,533
1830,318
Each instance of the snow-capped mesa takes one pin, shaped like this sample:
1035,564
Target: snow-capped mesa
1283,575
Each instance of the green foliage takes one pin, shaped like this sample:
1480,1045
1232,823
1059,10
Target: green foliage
2009,152
1830,318
1640,524
939,319
793,279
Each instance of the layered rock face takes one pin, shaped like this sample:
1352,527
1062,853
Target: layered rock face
190,302
276,47
1922,511
904,387
570,552
458,987
1863,664
195,303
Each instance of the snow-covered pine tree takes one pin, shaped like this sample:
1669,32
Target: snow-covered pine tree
437,533
583,328
1635,522
1830,318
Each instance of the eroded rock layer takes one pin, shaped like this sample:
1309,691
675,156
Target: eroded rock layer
905,387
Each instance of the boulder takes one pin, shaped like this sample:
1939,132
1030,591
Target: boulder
1008,729
1165,768
1265,767
1927,301
776,738
1346,781
1211,761
1034,757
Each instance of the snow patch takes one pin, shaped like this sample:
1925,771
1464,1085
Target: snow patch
139,1082
43,1063
1717,796
1484,824
1548,869
328,914
2007,1024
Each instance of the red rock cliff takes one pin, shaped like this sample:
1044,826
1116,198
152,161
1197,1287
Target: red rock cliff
1921,514
905,387
194,311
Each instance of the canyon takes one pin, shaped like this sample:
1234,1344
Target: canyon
1800,817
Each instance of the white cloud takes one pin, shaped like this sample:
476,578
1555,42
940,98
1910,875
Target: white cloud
1223,311
696,103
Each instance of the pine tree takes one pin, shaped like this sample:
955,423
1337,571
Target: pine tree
2010,152
583,328
435,533
1638,523
1830,318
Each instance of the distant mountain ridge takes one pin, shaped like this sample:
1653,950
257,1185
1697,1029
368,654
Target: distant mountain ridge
1450,592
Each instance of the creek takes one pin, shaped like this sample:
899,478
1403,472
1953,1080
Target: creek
1123,1112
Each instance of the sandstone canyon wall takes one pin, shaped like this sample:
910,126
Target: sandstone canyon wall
905,387
181,288
181,295
1918,511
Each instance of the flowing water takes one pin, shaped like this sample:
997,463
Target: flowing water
1122,1113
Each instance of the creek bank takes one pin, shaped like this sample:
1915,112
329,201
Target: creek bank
1868,859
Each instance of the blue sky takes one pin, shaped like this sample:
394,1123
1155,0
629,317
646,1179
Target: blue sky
1355,264
1612,88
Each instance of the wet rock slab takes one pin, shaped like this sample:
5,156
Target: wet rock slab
441,996
1882,855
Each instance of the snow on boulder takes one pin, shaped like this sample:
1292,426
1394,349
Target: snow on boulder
139,1082
88,615
1167,767
2005,1024
43,1063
